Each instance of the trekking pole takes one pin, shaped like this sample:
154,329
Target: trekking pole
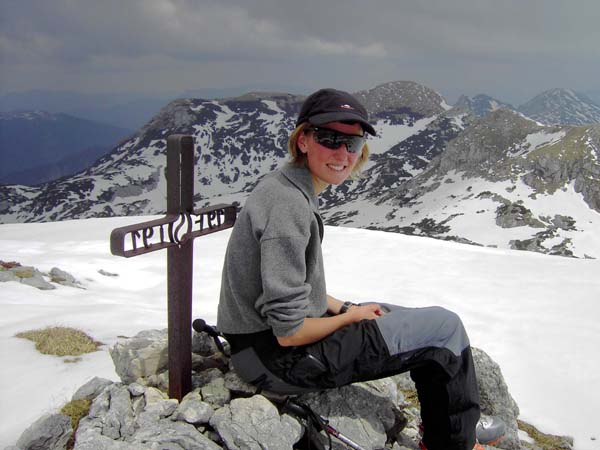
304,411
201,326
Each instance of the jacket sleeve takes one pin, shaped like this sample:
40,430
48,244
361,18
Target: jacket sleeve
284,301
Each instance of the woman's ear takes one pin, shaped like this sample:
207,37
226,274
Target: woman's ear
302,142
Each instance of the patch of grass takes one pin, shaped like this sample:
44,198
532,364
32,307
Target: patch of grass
75,410
61,341
411,397
545,441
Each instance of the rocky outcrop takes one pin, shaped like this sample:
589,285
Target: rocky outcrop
13,271
223,411
49,432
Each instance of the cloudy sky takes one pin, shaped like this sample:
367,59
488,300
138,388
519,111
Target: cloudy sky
510,49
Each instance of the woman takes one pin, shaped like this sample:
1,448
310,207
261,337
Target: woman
275,311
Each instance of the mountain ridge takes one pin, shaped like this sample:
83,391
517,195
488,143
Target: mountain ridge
504,158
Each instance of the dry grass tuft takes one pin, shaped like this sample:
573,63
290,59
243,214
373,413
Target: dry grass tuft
61,341
75,410
545,441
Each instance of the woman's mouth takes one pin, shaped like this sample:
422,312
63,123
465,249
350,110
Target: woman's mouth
336,167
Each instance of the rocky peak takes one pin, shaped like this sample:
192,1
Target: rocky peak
481,105
176,115
487,141
402,95
562,106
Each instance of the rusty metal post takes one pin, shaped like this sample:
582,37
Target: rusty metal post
180,262
176,232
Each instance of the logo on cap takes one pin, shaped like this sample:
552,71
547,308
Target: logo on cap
346,106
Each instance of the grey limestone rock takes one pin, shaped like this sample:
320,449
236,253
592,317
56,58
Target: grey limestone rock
107,274
136,389
119,419
91,389
31,277
193,410
143,355
7,275
89,437
215,392
65,278
49,432
238,386
255,424
168,435
495,398
359,411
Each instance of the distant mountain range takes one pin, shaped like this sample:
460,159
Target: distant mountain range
130,111
37,146
478,172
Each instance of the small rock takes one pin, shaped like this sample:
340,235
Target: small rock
216,393
207,376
163,408
49,432
153,395
65,278
91,389
193,410
136,389
107,274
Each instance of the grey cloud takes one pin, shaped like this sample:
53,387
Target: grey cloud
349,43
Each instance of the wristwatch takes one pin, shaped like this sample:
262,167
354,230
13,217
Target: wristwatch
345,307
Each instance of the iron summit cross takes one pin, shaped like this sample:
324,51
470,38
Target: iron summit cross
176,232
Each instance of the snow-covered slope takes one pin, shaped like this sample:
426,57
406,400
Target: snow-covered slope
505,181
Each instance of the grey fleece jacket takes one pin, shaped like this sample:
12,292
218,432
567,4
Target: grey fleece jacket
273,274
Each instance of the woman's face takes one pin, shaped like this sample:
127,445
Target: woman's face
329,166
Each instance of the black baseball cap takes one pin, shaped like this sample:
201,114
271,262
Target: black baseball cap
332,105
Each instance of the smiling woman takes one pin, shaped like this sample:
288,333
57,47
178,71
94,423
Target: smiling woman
289,336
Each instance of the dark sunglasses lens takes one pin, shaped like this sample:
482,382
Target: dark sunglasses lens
334,140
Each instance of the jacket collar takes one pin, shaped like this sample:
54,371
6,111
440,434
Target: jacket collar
301,177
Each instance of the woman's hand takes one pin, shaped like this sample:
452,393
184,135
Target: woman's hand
362,312
316,328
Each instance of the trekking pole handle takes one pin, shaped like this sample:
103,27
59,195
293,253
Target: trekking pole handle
201,326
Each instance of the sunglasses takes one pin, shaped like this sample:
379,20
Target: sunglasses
333,139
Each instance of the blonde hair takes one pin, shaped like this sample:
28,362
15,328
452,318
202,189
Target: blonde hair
299,158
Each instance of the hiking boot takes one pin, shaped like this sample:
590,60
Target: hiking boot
489,431
476,447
